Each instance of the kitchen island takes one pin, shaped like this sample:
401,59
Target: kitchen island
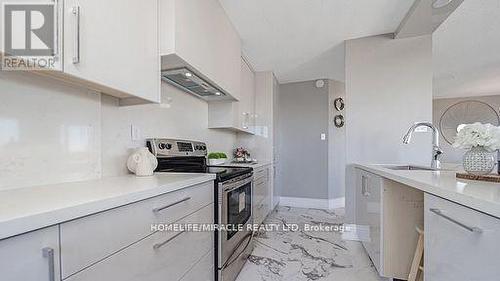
460,219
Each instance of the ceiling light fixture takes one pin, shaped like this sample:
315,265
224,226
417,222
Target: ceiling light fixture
217,93
188,74
440,3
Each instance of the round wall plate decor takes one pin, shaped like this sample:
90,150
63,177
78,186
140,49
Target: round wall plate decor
339,121
338,103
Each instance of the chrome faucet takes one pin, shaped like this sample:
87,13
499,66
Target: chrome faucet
436,150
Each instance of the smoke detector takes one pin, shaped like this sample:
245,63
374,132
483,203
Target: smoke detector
320,83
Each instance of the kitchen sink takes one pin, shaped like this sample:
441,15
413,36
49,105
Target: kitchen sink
409,168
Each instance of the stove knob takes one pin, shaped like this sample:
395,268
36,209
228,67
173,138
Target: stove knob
168,146
204,148
161,146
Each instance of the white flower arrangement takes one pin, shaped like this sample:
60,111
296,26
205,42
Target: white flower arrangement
477,134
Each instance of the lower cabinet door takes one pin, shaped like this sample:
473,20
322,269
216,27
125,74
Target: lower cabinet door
31,257
461,244
159,257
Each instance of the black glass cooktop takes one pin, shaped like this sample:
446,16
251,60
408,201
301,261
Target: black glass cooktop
225,173
197,165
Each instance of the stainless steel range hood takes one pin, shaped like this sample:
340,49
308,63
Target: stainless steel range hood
187,80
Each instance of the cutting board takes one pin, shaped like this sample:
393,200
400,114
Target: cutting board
488,178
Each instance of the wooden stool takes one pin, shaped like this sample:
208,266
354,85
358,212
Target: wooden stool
418,258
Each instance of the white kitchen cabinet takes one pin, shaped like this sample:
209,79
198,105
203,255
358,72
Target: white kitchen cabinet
161,256
387,214
369,214
109,47
238,116
32,256
203,270
262,193
199,35
461,244
114,43
108,232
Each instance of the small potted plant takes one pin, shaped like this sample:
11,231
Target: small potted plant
217,158
481,140
241,155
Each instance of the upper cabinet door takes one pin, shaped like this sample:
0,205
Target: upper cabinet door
31,257
114,43
247,98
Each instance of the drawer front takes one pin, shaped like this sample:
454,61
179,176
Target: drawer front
203,270
143,261
90,239
260,190
261,210
260,173
31,257
460,243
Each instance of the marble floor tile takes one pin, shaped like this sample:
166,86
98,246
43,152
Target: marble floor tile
304,255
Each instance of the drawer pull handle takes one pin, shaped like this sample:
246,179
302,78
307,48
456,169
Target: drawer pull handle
469,228
76,44
157,210
159,245
49,254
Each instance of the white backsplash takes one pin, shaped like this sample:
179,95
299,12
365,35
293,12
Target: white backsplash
49,132
182,116
52,132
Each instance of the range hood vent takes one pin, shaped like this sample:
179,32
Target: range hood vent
187,80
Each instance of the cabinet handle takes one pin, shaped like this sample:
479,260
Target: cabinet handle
469,228
76,44
364,186
49,254
245,121
159,245
157,210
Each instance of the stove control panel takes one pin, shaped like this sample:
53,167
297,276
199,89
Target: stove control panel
163,148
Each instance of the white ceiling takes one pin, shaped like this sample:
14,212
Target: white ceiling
466,51
304,39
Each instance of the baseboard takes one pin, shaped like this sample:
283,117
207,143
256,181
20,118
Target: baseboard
336,203
313,203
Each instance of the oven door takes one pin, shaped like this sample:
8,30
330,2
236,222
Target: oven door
236,211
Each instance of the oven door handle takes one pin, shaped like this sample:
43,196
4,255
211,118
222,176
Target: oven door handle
231,261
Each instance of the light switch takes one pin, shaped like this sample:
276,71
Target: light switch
323,136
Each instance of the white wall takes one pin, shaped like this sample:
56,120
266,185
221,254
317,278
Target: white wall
388,88
336,146
303,117
51,132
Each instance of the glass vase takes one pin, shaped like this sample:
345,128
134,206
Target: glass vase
478,161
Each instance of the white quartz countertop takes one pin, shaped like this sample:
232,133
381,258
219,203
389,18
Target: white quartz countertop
30,208
251,165
479,195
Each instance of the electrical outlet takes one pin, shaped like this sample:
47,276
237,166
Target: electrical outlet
135,133
323,136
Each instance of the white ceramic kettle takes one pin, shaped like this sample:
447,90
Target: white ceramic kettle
142,162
